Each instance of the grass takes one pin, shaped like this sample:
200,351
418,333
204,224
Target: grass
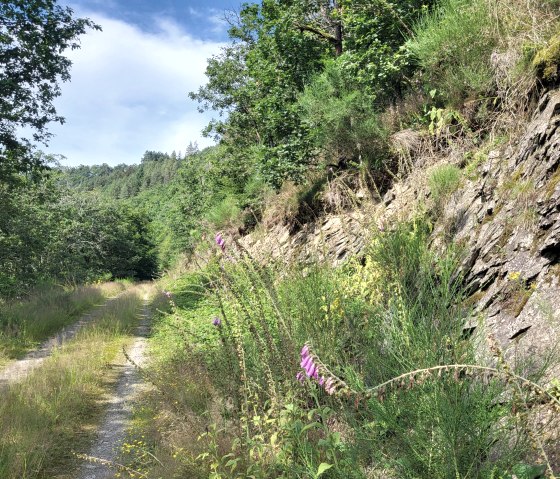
26,323
477,50
227,403
443,181
54,411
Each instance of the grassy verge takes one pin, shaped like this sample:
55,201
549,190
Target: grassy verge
232,400
26,323
53,412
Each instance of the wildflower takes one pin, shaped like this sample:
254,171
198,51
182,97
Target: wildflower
220,241
311,369
167,294
217,322
514,276
300,377
305,362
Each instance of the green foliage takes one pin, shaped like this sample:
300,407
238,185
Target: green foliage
374,57
256,81
125,181
398,310
443,181
277,50
453,45
94,237
547,60
34,36
342,118
46,233
224,214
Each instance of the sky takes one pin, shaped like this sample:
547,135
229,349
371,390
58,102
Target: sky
129,87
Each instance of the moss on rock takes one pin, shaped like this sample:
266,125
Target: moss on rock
547,60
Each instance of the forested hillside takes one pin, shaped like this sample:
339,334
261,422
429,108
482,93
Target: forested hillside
422,343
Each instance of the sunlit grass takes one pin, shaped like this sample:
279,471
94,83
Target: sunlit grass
26,323
54,411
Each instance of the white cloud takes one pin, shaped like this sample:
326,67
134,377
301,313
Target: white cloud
129,91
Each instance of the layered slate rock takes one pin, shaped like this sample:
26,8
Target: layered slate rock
506,220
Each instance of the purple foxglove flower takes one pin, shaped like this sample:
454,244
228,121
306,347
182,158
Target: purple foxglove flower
311,370
316,374
300,377
217,322
220,241
322,381
329,384
305,362
305,351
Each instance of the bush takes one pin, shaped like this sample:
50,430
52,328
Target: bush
468,49
343,119
224,214
453,45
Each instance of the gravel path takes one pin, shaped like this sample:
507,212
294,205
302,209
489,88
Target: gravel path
112,431
20,369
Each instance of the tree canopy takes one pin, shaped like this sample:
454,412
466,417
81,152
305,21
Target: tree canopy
33,39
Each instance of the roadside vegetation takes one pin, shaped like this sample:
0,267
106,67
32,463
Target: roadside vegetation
364,371
274,370
53,413
25,323
367,370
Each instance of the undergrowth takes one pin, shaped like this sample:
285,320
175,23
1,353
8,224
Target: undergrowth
358,372
25,323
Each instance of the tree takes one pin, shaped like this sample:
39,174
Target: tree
256,81
33,39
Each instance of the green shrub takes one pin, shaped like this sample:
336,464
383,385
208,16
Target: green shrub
342,118
453,45
224,213
547,60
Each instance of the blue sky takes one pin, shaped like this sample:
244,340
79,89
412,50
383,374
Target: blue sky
130,82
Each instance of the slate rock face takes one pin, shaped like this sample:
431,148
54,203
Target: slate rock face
333,238
509,225
506,219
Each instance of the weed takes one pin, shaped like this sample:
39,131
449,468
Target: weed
27,322
443,181
386,379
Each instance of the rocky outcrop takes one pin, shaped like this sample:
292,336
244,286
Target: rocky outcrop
508,222
505,216
333,238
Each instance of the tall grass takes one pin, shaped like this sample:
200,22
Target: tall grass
472,49
231,406
25,323
443,181
54,411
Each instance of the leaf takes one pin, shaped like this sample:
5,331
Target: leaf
322,468
526,471
309,426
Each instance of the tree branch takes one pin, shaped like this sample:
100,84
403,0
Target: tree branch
316,31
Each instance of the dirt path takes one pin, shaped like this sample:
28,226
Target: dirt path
112,431
20,369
